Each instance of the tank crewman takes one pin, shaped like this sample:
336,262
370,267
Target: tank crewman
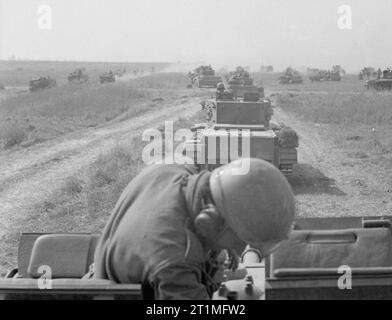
261,92
379,74
220,88
171,223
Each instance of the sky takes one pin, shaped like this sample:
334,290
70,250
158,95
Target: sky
221,32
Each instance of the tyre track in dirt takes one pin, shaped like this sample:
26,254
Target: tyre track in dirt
29,176
329,183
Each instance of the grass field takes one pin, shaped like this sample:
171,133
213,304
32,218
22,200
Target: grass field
355,117
358,125
35,117
18,73
349,83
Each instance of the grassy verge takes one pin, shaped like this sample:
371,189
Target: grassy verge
360,124
85,201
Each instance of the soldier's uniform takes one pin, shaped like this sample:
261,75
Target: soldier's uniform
150,238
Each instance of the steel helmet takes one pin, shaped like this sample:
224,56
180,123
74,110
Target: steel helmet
257,204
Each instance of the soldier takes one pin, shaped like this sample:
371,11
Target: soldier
220,89
261,92
171,223
379,74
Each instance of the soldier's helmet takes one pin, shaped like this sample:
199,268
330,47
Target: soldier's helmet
255,200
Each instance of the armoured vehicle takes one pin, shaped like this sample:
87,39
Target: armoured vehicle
78,76
204,77
239,82
339,69
384,82
325,75
309,265
120,72
41,83
241,128
107,77
266,69
368,73
290,76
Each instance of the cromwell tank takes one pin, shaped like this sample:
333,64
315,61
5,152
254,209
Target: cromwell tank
204,77
78,76
41,83
382,83
290,76
325,75
241,128
107,77
368,73
239,82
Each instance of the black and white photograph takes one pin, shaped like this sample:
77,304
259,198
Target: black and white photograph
196,150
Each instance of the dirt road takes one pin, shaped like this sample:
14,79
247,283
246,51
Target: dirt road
29,176
329,182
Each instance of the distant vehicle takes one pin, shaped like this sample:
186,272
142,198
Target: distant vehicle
325,75
290,76
41,83
368,73
120,72
339,69
204,77
239,82
384,82
78,76
267,69
107,77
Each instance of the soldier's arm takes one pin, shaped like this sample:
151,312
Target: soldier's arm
179,282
